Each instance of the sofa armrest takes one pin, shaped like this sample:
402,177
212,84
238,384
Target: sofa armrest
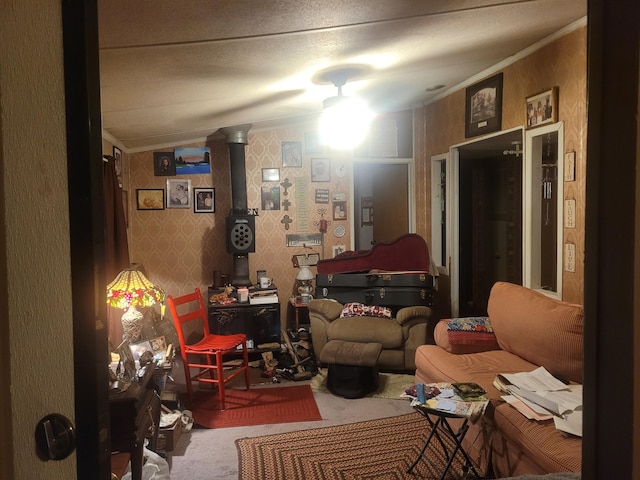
407,314
473,342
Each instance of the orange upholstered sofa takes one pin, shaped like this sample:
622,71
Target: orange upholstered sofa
531,330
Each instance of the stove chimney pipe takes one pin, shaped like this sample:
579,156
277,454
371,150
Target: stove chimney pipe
240,225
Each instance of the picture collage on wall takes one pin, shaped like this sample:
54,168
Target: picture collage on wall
179,192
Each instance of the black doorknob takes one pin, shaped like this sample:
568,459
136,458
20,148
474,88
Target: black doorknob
55,437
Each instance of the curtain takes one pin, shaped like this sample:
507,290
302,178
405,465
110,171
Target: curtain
116,245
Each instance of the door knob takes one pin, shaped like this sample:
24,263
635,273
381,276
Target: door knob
55,437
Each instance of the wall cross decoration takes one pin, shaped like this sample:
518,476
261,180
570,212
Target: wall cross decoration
286,204
286,184
286,221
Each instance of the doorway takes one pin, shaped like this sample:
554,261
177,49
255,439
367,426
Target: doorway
489,220
381,202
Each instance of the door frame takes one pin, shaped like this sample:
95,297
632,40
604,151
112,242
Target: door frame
453,212
411,188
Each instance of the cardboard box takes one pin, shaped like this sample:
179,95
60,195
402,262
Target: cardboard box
168,437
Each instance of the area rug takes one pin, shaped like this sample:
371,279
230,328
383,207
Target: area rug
390,385
380,449
257,406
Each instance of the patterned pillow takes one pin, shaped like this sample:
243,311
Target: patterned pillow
470,330
469,324
361,310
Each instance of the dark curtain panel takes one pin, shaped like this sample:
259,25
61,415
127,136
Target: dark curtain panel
116,246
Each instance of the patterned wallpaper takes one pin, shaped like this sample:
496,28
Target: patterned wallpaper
180,249
562,63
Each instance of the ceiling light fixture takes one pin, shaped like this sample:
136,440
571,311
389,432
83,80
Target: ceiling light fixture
345,120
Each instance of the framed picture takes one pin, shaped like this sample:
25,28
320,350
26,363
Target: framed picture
291,154
139,348
542,108
150,199
320,170
164,164
322,195
483,112
270,197
117,156
270,174
204,200
158,344
193,160
178,193
339,210
304,239
312,143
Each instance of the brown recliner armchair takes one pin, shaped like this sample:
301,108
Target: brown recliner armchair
399,335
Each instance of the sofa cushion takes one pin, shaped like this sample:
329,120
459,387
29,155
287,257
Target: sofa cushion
546,446
538,328
367,330
434,364
465,335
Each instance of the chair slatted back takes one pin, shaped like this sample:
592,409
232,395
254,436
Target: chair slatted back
179,319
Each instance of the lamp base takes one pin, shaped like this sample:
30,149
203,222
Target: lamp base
132,324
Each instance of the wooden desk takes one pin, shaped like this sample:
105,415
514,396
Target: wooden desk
135,415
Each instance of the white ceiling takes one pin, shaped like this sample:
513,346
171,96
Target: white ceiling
173,72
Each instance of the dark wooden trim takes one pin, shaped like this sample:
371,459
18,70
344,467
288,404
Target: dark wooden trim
612,80
86,216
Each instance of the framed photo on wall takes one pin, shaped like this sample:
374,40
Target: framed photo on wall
270,197
270,174
204,200
291,154
150,199
542,108
483,107
164,164
178,193
320,170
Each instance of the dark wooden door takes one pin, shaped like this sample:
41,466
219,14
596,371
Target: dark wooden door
490,228
390,202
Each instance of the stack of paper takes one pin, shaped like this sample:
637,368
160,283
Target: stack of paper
538,395
263,296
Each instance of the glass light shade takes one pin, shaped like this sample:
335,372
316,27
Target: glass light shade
304,280
344,122
305,273
132,288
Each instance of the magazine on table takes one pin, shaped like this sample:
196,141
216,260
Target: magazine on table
443,397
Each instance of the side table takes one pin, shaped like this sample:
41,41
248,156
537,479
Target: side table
440,425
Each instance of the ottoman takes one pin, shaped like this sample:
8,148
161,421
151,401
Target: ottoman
352,367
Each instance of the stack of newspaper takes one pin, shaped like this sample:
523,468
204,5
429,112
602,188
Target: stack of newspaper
538,395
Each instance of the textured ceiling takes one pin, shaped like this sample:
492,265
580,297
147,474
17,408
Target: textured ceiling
173,72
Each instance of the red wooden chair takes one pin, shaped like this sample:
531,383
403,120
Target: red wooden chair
211,346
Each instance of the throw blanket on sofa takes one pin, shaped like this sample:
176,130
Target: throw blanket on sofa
470,330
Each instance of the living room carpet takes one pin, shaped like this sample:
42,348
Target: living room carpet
390,385
257,406
381,449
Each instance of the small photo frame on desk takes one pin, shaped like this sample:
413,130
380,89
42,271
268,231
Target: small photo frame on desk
139,348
